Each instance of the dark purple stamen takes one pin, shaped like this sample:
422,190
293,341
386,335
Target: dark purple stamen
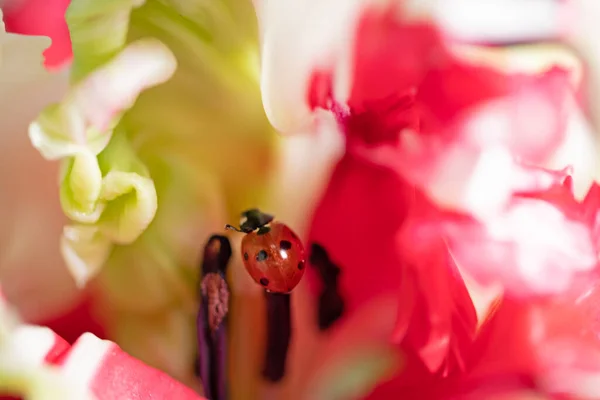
212,318
331,303
279,331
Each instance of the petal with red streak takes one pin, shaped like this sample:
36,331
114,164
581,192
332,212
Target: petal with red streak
439,115
539,244
110,373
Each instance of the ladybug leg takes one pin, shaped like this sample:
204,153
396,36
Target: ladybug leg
233,228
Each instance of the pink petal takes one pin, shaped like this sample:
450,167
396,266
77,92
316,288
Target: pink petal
547,340
541,243
436,319
443,123
110,373
357,222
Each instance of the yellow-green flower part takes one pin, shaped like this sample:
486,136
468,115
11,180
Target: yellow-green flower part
163,139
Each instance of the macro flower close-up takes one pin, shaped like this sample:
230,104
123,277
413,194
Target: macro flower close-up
305,200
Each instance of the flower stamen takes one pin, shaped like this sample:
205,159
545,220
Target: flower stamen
212,318
279,332
331,304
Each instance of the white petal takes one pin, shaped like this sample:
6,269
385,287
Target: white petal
298,38
500,20
583,30
579,150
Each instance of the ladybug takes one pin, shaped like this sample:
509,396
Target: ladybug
273,254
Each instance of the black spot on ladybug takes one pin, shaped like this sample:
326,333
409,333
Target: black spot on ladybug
301,265
285,245
263,229
261,256
264,281
246,256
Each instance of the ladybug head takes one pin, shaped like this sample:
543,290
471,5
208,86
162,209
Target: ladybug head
252,220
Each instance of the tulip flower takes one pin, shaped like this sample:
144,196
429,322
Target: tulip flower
453,242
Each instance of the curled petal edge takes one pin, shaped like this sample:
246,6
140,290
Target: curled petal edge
105,188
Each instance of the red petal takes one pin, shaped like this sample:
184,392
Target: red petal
44,18
437,113
547,340
502,346
76,322
112,374
437,318
356,221
591,212
389,58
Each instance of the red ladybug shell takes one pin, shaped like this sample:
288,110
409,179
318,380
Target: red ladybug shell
274,257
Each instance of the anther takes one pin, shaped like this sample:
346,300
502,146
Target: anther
331,304
211,321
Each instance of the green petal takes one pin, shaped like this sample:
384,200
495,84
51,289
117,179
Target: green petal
80,187
103,181
60,132
85,250
121,204
131,205
127,192
98,32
